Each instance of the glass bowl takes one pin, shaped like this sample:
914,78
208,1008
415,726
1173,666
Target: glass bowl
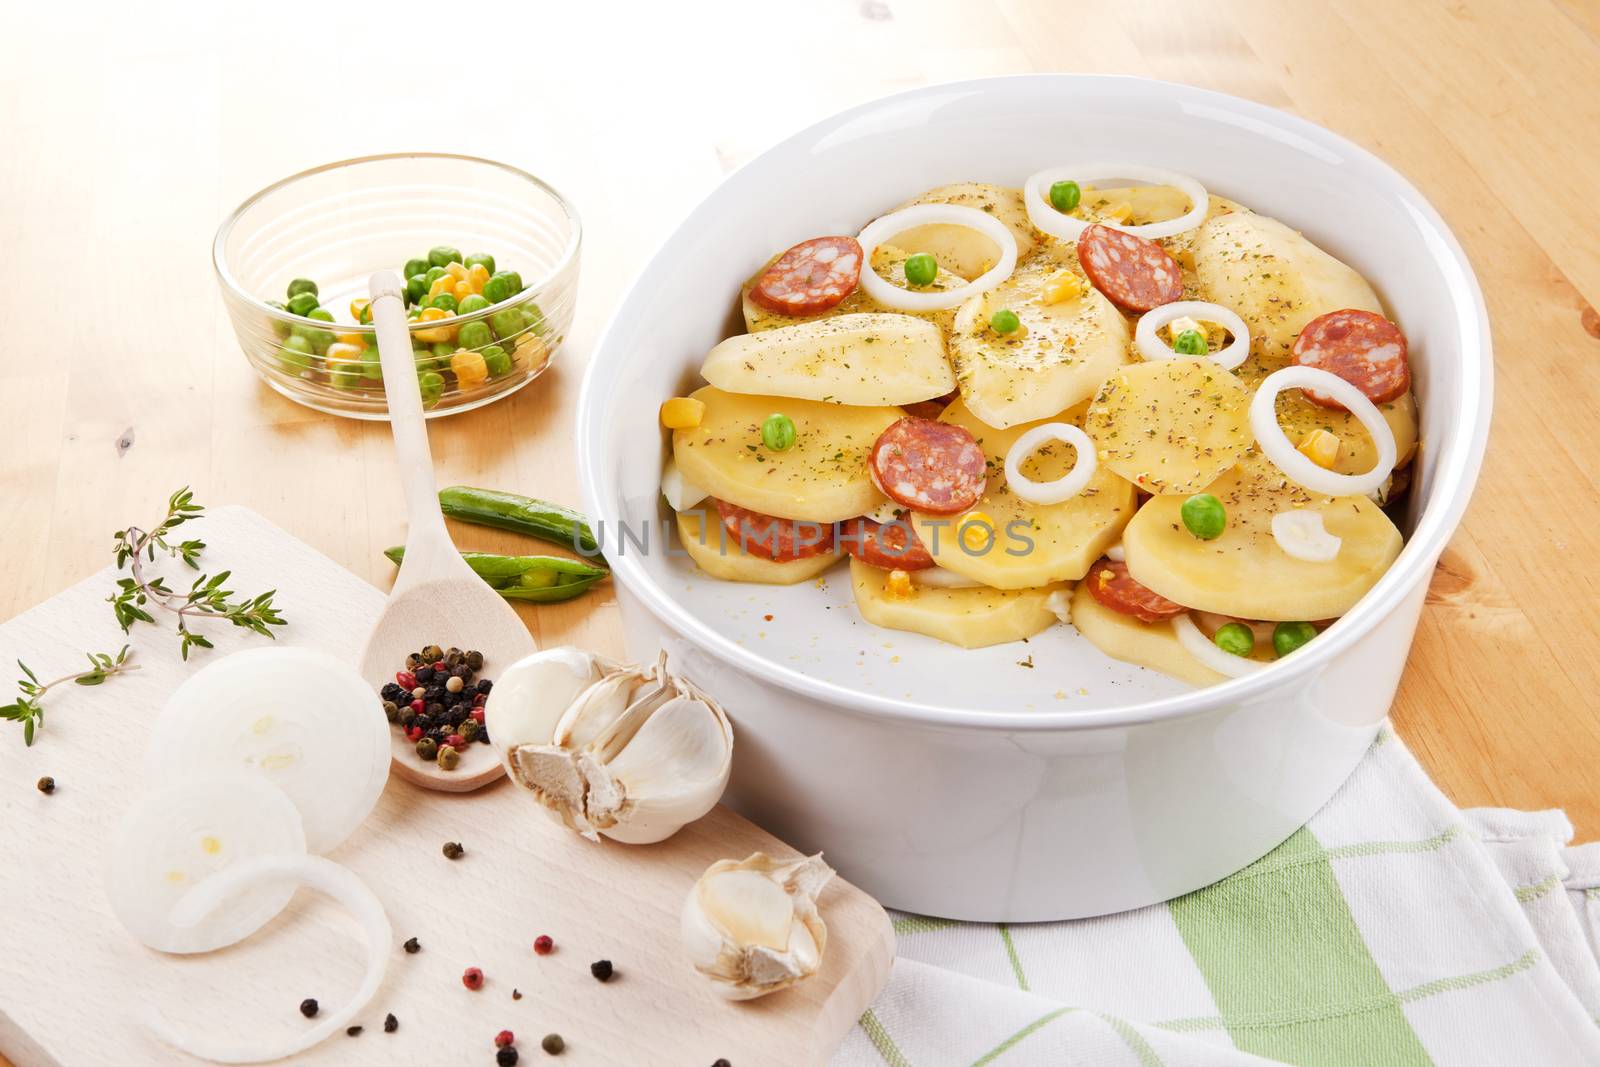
339,223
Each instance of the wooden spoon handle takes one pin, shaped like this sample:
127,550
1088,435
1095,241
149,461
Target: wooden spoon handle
404,393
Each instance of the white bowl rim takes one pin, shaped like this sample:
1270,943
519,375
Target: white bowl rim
1448,501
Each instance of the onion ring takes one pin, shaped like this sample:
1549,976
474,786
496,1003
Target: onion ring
1065,487
1046,218
1281,451
1206,651
1301,535
1151,347
338,882
879,230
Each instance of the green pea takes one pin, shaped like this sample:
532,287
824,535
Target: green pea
366,315
1288,636
777,432
279,327
417,288
502,286
443,350
1004,321
302,303
320,314
497,361
434,274
471,304
922,269
483,259
302,285
296,354
533,318
318,339
475,335
432,386
1064,196
417,266
1203,516
514,278
371,368
441,255
423,357
1189,343
506,323
1236,638
444,302
345,375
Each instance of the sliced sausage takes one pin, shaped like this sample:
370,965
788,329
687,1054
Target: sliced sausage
1110,583
811,277
1133,273
769,537
890,545
928,466
1362,347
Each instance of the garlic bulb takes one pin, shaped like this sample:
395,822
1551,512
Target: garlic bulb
751,925
634,754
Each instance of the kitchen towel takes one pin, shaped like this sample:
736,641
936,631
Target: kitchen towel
1393,930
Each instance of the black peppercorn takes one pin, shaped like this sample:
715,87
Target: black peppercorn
602,970
393,692
47,785
484,685
413,661
427,750
309,1007
413,946
721,1061
436,707
506,1056
424,675
390,1023
516,994
391,710
553,1044
475,659
354,1031
453,850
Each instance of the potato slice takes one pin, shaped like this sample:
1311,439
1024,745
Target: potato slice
866,359
889,262
1243,572
722,557
1146,644
972,618
1170,425
1357,451
958,249
1034,545
1057,361
822,478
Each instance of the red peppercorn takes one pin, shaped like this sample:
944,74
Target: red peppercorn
455,741
543,945
414,734
439,666
405,679
477,701
419,705
472,978
504,1038
478,714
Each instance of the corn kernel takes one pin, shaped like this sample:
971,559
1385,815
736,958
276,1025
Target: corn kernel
357,306
444,283
898,586
435,333
1179,326
456,271
1122,211
1062,286
359,340
1320,447
1185,258
477,274
343,353
682,413
469,367
531,350
976,531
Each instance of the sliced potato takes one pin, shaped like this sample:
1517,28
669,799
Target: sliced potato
1357,451
1057,360
867,359
1146,644
822,478
972,618
1034,545
889,261
722,557
958,249
1276,280
1243,572
1170,425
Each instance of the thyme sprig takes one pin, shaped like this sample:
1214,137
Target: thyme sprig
207,598
29,709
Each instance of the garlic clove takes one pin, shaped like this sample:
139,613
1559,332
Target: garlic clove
530,697
596,708
751,926
672,771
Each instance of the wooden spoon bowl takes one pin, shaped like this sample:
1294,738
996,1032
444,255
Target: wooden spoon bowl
436,599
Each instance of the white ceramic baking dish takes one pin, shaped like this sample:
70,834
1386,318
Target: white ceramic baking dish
961,783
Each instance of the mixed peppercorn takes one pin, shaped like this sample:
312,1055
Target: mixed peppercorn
437,701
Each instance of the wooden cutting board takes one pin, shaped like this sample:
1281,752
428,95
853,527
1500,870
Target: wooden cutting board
73,984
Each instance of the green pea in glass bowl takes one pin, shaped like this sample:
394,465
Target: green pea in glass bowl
489,252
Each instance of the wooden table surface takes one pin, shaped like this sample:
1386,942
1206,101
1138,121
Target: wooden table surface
130,133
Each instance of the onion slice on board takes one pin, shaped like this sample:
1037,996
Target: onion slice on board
1206,651
304,719
1152,347
1047,219
1065,487
879,231
287,872
1281,451
176,837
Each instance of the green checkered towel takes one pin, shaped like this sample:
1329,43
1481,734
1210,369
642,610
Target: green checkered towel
1393,929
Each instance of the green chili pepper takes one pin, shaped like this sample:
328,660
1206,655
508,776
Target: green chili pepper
520,514
537,579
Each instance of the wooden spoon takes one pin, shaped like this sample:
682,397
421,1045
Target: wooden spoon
436,599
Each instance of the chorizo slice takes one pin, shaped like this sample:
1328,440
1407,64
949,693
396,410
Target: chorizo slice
890,545
811,277
769,537
929,466
1362,347
1110,583
1133,273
